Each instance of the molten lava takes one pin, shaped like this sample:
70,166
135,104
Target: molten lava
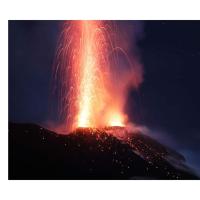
92,90
91,83
94,78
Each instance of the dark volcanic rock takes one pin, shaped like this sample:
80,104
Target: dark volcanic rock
37,153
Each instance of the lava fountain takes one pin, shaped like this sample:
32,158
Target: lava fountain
92,74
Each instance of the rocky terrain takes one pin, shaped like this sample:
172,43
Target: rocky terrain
37,153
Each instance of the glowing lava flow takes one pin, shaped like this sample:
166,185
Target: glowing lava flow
89,87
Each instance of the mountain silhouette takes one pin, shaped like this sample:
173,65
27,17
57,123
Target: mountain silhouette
37,153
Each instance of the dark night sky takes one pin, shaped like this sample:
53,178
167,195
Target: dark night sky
168,101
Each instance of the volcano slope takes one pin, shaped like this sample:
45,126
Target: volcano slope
36,153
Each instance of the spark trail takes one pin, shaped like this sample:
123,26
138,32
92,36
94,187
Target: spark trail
90,81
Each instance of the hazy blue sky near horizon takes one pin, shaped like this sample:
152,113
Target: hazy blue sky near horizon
168,100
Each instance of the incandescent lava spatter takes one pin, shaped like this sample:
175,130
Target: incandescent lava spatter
86,153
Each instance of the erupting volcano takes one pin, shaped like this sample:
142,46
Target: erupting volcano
92,136
92,73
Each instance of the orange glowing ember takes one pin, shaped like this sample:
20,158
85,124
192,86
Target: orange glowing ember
92,91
